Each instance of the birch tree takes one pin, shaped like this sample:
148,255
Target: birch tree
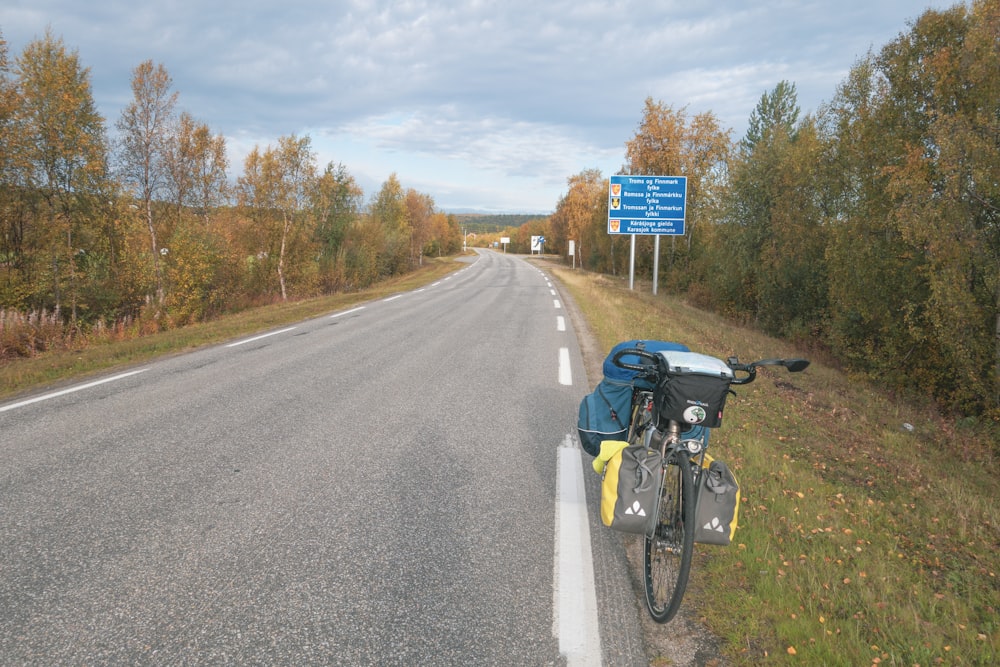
419,209
144,131
576,211
65,157
275,189
296,171
667,143
196,165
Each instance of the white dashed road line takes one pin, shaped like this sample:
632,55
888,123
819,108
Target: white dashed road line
565,372
250,340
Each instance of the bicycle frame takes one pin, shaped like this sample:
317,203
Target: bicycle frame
667,442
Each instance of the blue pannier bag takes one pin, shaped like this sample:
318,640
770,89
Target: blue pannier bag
605,413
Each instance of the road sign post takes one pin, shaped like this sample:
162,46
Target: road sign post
537,243
647,205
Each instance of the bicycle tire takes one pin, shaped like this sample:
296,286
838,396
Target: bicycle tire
667,552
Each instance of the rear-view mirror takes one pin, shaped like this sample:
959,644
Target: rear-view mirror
795,365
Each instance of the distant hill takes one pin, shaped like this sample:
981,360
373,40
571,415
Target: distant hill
487,222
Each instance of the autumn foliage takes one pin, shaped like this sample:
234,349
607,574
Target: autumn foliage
870,230
148,229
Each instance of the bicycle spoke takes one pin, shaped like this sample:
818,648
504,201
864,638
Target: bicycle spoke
667,553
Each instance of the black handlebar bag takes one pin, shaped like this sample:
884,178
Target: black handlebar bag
694,388
692,399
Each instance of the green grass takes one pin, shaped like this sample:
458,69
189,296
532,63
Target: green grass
90,358
860,542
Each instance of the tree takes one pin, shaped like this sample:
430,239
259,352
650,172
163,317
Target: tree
446,236
13,220
790,270
335,202
770,264
419,209
196,166
914,243
871,272
65,160
275,188
144,135
9,134
575,211
777,110
388,211
944,78
665,143
296,165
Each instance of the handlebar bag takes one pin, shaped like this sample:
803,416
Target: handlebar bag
692,399
629,489
694,388
718,504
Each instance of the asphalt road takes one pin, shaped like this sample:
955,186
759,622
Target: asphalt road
376,486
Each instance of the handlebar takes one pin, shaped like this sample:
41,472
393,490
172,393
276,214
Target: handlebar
652,367
750,370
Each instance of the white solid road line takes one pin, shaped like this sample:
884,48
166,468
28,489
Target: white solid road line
574,595
63,392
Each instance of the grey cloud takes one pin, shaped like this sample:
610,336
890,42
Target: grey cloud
518,86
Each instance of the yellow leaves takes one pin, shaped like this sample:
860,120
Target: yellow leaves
791,650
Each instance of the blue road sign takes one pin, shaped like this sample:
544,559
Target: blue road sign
647,204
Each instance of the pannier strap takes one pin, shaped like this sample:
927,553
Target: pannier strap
611,409
644,475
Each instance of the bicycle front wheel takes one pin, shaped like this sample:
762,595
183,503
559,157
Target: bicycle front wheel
667,555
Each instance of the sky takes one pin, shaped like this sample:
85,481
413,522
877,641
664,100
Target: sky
485,105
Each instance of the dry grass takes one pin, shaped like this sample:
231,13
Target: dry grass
869,532
50,354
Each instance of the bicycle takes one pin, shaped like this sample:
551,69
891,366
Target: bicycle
662,425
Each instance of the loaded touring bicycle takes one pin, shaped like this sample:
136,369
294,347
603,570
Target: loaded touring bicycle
647,424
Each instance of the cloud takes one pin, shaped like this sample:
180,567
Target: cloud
505,98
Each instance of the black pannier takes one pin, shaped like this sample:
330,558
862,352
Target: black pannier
694,388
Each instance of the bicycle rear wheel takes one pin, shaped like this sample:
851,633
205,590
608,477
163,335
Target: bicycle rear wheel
667,554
